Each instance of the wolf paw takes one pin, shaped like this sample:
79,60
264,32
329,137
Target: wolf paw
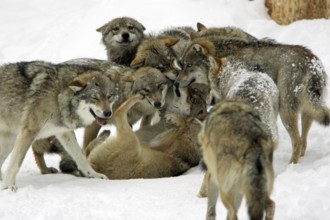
95,175
12,187
173,119
49,170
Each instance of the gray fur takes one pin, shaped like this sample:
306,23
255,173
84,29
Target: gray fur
40,99
238,152
121,37
297,72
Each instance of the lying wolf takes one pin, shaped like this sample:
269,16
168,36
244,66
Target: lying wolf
40,99
125,157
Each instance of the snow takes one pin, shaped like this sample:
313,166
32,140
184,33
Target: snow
57,31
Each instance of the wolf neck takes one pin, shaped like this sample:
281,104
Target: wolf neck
124,57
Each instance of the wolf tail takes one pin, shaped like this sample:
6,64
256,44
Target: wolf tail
256,190
316,91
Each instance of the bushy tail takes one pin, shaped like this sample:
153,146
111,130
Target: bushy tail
316,91
256,184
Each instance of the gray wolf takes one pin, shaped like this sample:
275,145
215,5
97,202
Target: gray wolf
149,82
230,79
238,152
297,72
160,51
176,133
125,157
224,33
40,99
52,145
121,37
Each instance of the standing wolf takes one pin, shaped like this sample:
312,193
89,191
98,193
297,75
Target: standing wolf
121,37
40,99
297,72
238,153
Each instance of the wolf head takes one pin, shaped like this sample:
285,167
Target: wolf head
156,53
224,33
191,102
152,84
121,37
95,95
195,63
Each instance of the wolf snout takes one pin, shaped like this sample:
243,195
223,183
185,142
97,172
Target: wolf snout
125,36
157,104
107,114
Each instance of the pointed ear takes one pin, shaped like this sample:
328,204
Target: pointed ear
102,29
77,85
200,27
170,41
215,64
137,62
199,49
130,78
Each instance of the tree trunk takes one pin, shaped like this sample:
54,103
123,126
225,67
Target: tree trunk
288,11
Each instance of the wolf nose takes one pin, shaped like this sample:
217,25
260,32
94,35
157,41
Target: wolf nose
107,114
176,84
157,104
125,36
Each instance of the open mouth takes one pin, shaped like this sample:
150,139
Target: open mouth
99,120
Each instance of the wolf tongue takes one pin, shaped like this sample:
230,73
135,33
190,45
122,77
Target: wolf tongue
101,121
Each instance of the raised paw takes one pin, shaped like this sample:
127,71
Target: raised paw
172,119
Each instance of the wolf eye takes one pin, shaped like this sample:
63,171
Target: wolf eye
130,27
161,68
144,91
193,100
188,65
115,29
94,98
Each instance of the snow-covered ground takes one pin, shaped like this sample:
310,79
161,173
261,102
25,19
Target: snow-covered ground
54,30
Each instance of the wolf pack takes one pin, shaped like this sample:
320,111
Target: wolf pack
208,96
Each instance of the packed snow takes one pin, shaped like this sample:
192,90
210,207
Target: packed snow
57,31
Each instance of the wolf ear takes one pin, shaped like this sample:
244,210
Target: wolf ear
77,85
200,27
199,49
128,78
137,62
215,64
170,41
141,26
103,28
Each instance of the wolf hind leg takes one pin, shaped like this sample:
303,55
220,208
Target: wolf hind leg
228,199
306,123
290,122
270,209
90,133
212,197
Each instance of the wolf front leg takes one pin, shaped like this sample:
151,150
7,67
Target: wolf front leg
69,141
21,146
